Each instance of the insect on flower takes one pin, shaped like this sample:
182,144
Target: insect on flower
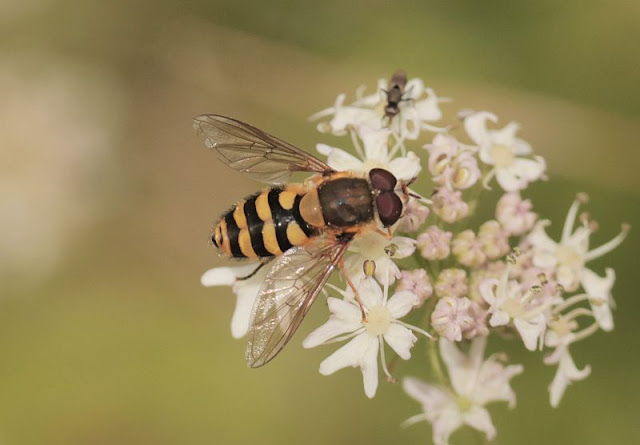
303,228
394,92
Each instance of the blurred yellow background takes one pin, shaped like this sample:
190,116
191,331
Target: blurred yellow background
107,197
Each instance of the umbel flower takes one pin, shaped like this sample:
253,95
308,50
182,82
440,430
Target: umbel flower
440,280
367,337
475,382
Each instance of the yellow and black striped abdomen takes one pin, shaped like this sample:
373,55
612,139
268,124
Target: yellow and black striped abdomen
263,225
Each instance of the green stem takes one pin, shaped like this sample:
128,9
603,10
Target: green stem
436,367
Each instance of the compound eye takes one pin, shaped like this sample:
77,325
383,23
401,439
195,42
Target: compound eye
382,179
389,207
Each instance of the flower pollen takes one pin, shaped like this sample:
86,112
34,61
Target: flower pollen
502,156
378,320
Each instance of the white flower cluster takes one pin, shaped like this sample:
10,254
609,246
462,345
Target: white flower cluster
463,283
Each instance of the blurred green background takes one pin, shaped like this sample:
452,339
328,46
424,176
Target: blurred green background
107,198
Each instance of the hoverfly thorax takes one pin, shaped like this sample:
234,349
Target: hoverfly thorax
388,203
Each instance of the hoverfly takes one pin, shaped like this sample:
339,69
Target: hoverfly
394,92
304,228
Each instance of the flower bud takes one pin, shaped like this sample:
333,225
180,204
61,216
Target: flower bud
468,249
514,214
449,206
418,282
451,316
434,243
415,215
494,239
451,283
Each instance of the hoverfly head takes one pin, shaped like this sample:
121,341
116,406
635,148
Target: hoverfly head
389,205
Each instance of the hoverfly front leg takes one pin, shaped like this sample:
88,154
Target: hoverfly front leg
388,234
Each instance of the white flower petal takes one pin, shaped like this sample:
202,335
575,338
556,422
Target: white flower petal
599,290
401,303
449,420
432,397
509,180
406,167
408,126
567,373
387,272
526,170
224,276
401,340
350,354
487,289
413,89
463,368
479,418
242,314
370,292
499,318
428,109
531,330
375,143
505,136
521,148
405,246
369,367
476,127
339,159
353,116
346,318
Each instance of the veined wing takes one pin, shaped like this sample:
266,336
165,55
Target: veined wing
250,150
288,292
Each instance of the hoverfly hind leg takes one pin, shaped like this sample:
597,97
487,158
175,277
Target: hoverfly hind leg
263,263
353,288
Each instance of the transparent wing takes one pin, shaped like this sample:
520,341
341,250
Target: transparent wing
252,151
288,292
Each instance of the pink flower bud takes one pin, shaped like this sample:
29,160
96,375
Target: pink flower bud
451,283
468,249
449,206
415,215
478,326
451,316
494,239
515,214
434,243
416,281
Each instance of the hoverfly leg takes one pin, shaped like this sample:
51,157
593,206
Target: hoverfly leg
353,288
388,234
263,263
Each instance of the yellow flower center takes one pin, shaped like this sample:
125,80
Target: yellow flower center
502,156
567,256
561,326
513,307
378,321
464,404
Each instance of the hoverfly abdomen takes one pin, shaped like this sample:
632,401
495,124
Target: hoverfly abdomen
346,202
263,225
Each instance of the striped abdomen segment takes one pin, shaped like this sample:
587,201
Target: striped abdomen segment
263,225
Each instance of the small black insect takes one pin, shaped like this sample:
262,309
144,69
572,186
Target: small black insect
394,92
